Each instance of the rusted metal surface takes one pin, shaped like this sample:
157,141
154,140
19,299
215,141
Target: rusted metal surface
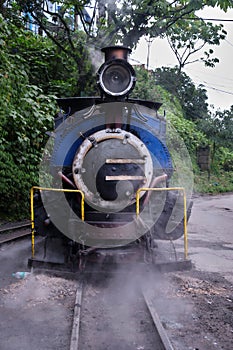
125,161
124,178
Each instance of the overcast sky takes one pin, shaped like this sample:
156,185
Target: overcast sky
218,81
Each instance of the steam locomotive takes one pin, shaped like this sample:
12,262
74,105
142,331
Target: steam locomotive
101,175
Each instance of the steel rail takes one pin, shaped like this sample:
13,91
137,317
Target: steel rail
74,342
162,341
165,343
15,227
12,235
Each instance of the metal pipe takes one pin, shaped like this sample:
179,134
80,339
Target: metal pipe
154,182
65,178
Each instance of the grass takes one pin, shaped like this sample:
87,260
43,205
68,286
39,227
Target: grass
217,183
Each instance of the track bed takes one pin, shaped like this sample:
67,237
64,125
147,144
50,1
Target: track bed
14,231
112,313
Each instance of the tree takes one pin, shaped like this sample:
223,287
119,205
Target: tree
219,128
189,37
145,86
131,20
225,127
107,22
25,114
192,99
49,67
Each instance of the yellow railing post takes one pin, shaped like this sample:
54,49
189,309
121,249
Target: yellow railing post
32,208
185,209
185,227
32,221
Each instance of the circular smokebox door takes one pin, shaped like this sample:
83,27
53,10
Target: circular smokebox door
110,167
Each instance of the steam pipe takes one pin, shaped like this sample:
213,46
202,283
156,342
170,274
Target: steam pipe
63,177
154,182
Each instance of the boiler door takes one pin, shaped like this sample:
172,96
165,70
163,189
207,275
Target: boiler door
109,167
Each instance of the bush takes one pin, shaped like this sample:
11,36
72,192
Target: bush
25,114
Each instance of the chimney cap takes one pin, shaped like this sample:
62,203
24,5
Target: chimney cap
115,52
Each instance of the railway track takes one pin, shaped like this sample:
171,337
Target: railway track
103,329
74,342
164,341
12,232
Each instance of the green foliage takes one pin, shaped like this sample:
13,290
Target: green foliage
186,129
25,114
50,68
145,88
125,22
192,99
186,38
223,4
223,120
224,159
217,133
218,182
219,130
32,71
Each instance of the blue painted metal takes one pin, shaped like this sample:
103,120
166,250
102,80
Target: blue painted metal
158,149
68,139
152,133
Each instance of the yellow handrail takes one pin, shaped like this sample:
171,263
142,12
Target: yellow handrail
82,208
32,207
185,209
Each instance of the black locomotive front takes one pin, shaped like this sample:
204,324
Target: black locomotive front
108,148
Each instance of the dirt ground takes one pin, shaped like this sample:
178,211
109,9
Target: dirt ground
36,313
210,234
195,306
207,290
199,309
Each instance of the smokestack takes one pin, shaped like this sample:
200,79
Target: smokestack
116,52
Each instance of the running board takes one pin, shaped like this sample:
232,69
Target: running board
179,265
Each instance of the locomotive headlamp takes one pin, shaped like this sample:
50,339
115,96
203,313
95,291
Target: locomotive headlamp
116,77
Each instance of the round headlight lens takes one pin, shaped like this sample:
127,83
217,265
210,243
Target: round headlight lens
116,78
